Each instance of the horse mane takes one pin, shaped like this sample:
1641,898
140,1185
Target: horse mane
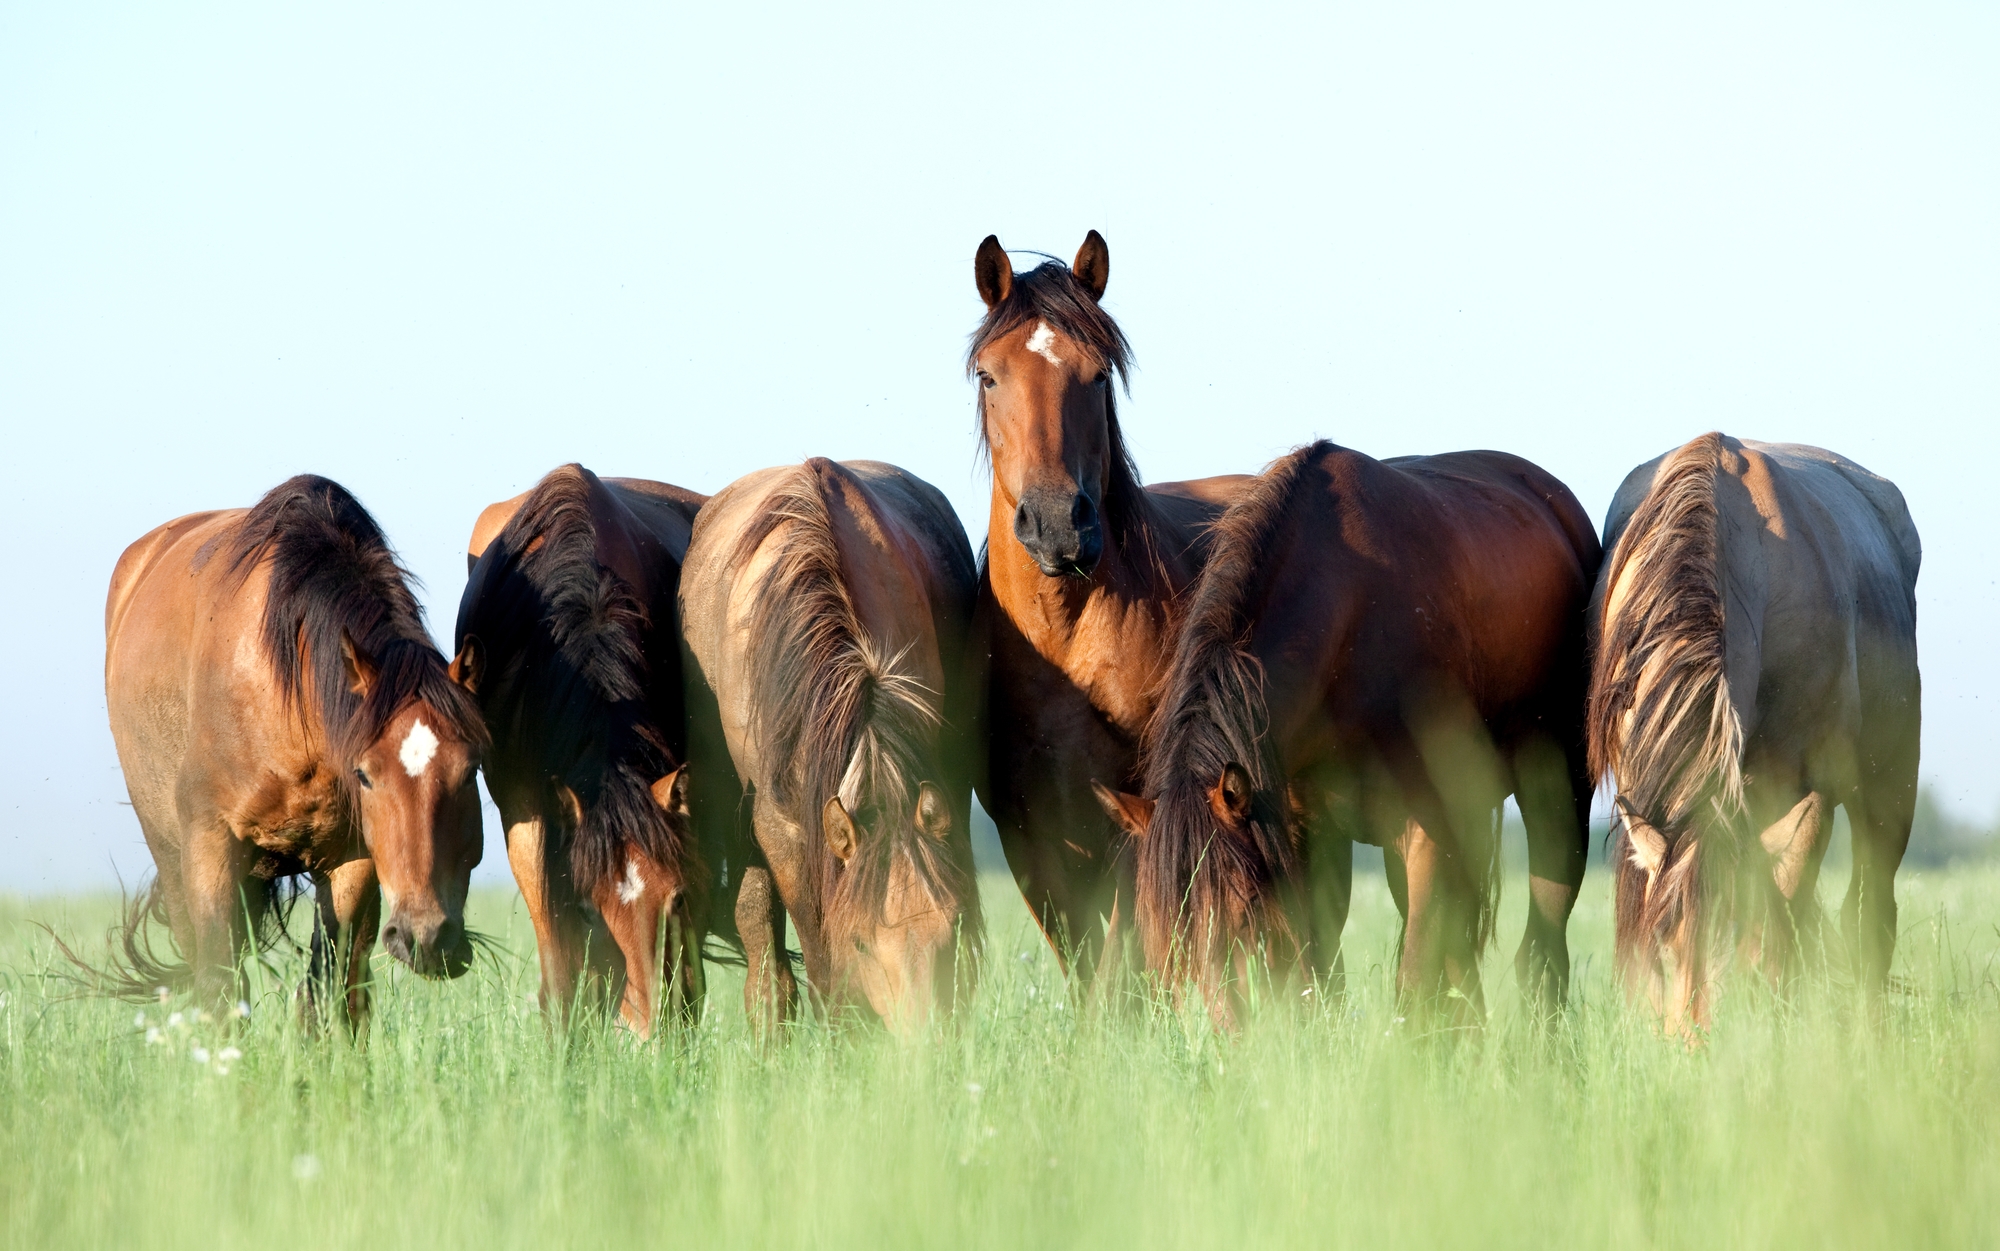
332,575
1660,661
1051,293
565,637
1213,711
836,712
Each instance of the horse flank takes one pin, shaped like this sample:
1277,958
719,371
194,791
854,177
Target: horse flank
577,674
1660,716
1213,711
332,575
836,711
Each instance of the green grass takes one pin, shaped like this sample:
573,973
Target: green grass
461,1122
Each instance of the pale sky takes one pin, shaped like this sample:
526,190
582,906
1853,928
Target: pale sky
434,253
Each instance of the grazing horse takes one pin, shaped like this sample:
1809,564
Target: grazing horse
1082,569
1377,651
826,609
1756,628
279,710
571,636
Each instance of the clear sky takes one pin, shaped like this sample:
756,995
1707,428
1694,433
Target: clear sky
433,251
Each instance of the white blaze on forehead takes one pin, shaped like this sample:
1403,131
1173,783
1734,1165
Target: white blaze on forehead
633,885
419,745
1042,343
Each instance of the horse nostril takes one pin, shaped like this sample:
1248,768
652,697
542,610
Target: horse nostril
1026,527
448,935
1082,513
395,939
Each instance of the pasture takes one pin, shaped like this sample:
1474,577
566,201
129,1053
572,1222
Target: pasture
461,1122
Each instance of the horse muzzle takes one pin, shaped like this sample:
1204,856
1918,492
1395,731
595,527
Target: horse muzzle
438,948
1061,530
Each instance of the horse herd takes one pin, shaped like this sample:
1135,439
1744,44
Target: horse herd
1181,703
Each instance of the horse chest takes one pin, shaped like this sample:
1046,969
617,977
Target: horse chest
303,816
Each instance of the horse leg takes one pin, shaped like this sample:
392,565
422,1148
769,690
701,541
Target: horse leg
1795,842
347,912
769,989
1553,789
1440,931
1881,826
215,867
562,932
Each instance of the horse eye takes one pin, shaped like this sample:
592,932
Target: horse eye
361,775
861,946
985,379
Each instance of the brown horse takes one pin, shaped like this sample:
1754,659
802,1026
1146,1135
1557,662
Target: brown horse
1082,568
826,609
1756,665
279,710
1377,651
571,637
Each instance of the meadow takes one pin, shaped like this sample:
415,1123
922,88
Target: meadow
462,1121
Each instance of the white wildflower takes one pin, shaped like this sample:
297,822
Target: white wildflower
153,1036
200,1055
174,1021
305,1167
242,1009
229,1055
160,993
138,1020
974,1089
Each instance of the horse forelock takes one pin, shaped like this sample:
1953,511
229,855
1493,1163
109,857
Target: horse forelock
565,635
837,711
1661,719
332,576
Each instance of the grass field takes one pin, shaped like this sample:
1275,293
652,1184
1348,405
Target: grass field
461,1122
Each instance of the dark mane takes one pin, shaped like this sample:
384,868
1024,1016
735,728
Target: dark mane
1212,712
838,714
1051,293
333,576
566,691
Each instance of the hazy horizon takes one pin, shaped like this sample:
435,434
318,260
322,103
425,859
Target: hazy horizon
434,254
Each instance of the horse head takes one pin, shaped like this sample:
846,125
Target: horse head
891,922
1046,358
1209,859
413,789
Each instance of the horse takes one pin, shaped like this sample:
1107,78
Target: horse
1083,567
1756,664
1376,651
280,711
826,610
571,631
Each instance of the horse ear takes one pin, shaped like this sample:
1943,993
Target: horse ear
1649,846
992,272
1231,795
933,813
572,806
1093,264
1131,813
360,666
837,828
671,792
468,664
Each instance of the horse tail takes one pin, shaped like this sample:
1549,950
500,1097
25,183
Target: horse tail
1661,718
135,969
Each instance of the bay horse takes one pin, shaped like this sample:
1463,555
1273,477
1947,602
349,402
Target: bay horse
279,710
1377,651
826,609
571,633
1082,569
1756,664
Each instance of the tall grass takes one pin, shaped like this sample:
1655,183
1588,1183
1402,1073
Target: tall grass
463,1122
